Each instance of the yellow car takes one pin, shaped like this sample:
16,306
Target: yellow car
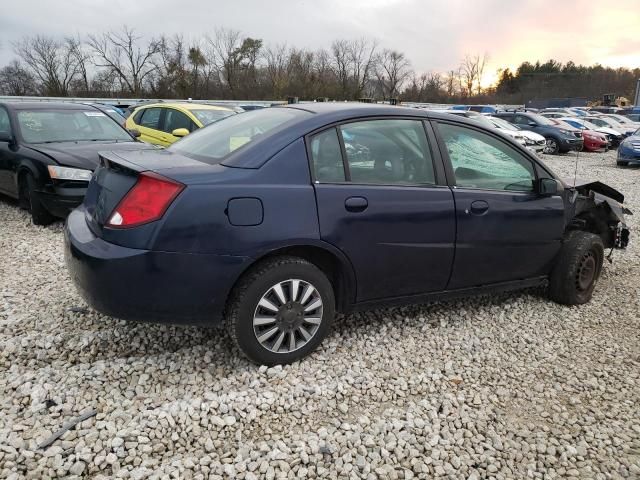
164,123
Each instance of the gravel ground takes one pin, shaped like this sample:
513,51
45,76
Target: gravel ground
508,386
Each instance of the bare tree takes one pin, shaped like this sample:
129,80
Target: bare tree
82,58
197,60
471,71
171,76
393,70
121,52
362,57
234,57
16,80
276,67
51,61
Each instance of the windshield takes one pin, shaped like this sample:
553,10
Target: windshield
215,142
483,120
611,122
589,125
620,118
207,116
540,120
499,122
48,126
574,123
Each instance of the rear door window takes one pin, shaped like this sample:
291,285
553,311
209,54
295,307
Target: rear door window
388,152
326,156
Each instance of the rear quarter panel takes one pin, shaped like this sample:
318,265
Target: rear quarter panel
198,222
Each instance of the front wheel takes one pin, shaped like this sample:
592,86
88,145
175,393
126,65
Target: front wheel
552,146
280,311
577,268
29,199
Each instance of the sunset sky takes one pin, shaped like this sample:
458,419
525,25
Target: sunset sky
434,34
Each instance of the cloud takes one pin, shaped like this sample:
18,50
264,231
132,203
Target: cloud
435,35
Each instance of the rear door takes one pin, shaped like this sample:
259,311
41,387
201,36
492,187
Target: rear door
505,230
151,125
382,201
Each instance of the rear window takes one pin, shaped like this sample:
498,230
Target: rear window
48,126
214,143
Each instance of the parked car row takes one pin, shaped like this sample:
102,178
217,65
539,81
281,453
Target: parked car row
48,150
561,129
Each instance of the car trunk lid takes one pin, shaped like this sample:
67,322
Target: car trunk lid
118,172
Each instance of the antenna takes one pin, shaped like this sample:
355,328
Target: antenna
575,173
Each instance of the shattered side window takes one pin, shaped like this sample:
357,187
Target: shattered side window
485,162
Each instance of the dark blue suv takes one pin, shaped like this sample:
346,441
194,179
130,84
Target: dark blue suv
275,219
559,140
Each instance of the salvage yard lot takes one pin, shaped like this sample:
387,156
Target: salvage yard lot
508,386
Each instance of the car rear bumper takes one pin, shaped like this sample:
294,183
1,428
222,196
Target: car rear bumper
145,285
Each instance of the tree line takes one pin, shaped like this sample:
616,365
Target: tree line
226,64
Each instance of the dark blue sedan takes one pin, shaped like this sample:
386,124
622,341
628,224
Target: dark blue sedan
275,219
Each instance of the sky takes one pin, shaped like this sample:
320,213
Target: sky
434,34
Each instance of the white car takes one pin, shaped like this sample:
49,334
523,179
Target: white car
603,121
515,134
533,141
622,120
581,123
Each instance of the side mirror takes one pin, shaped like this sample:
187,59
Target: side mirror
180,132
548,187
134,133
6,137
533,124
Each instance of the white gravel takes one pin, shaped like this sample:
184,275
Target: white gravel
510,386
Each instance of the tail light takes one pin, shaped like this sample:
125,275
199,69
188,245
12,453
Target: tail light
146,201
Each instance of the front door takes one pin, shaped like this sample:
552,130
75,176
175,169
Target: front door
379,202
505,231
150,127
8,156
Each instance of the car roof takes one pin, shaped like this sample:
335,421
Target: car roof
187,106
345,110
46,106
323,115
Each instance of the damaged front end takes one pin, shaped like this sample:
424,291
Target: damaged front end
598,208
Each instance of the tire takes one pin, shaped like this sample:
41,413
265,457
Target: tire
29,200
251,325
622,164
553,147
577,269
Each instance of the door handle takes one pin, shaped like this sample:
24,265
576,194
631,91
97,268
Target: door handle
478,207
356,204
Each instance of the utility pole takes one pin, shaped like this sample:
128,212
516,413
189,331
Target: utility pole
637,100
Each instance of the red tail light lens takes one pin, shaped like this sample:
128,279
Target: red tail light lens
146,201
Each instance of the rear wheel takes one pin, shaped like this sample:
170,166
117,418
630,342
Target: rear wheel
622,164
552,146
280,311
577,268
30,201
